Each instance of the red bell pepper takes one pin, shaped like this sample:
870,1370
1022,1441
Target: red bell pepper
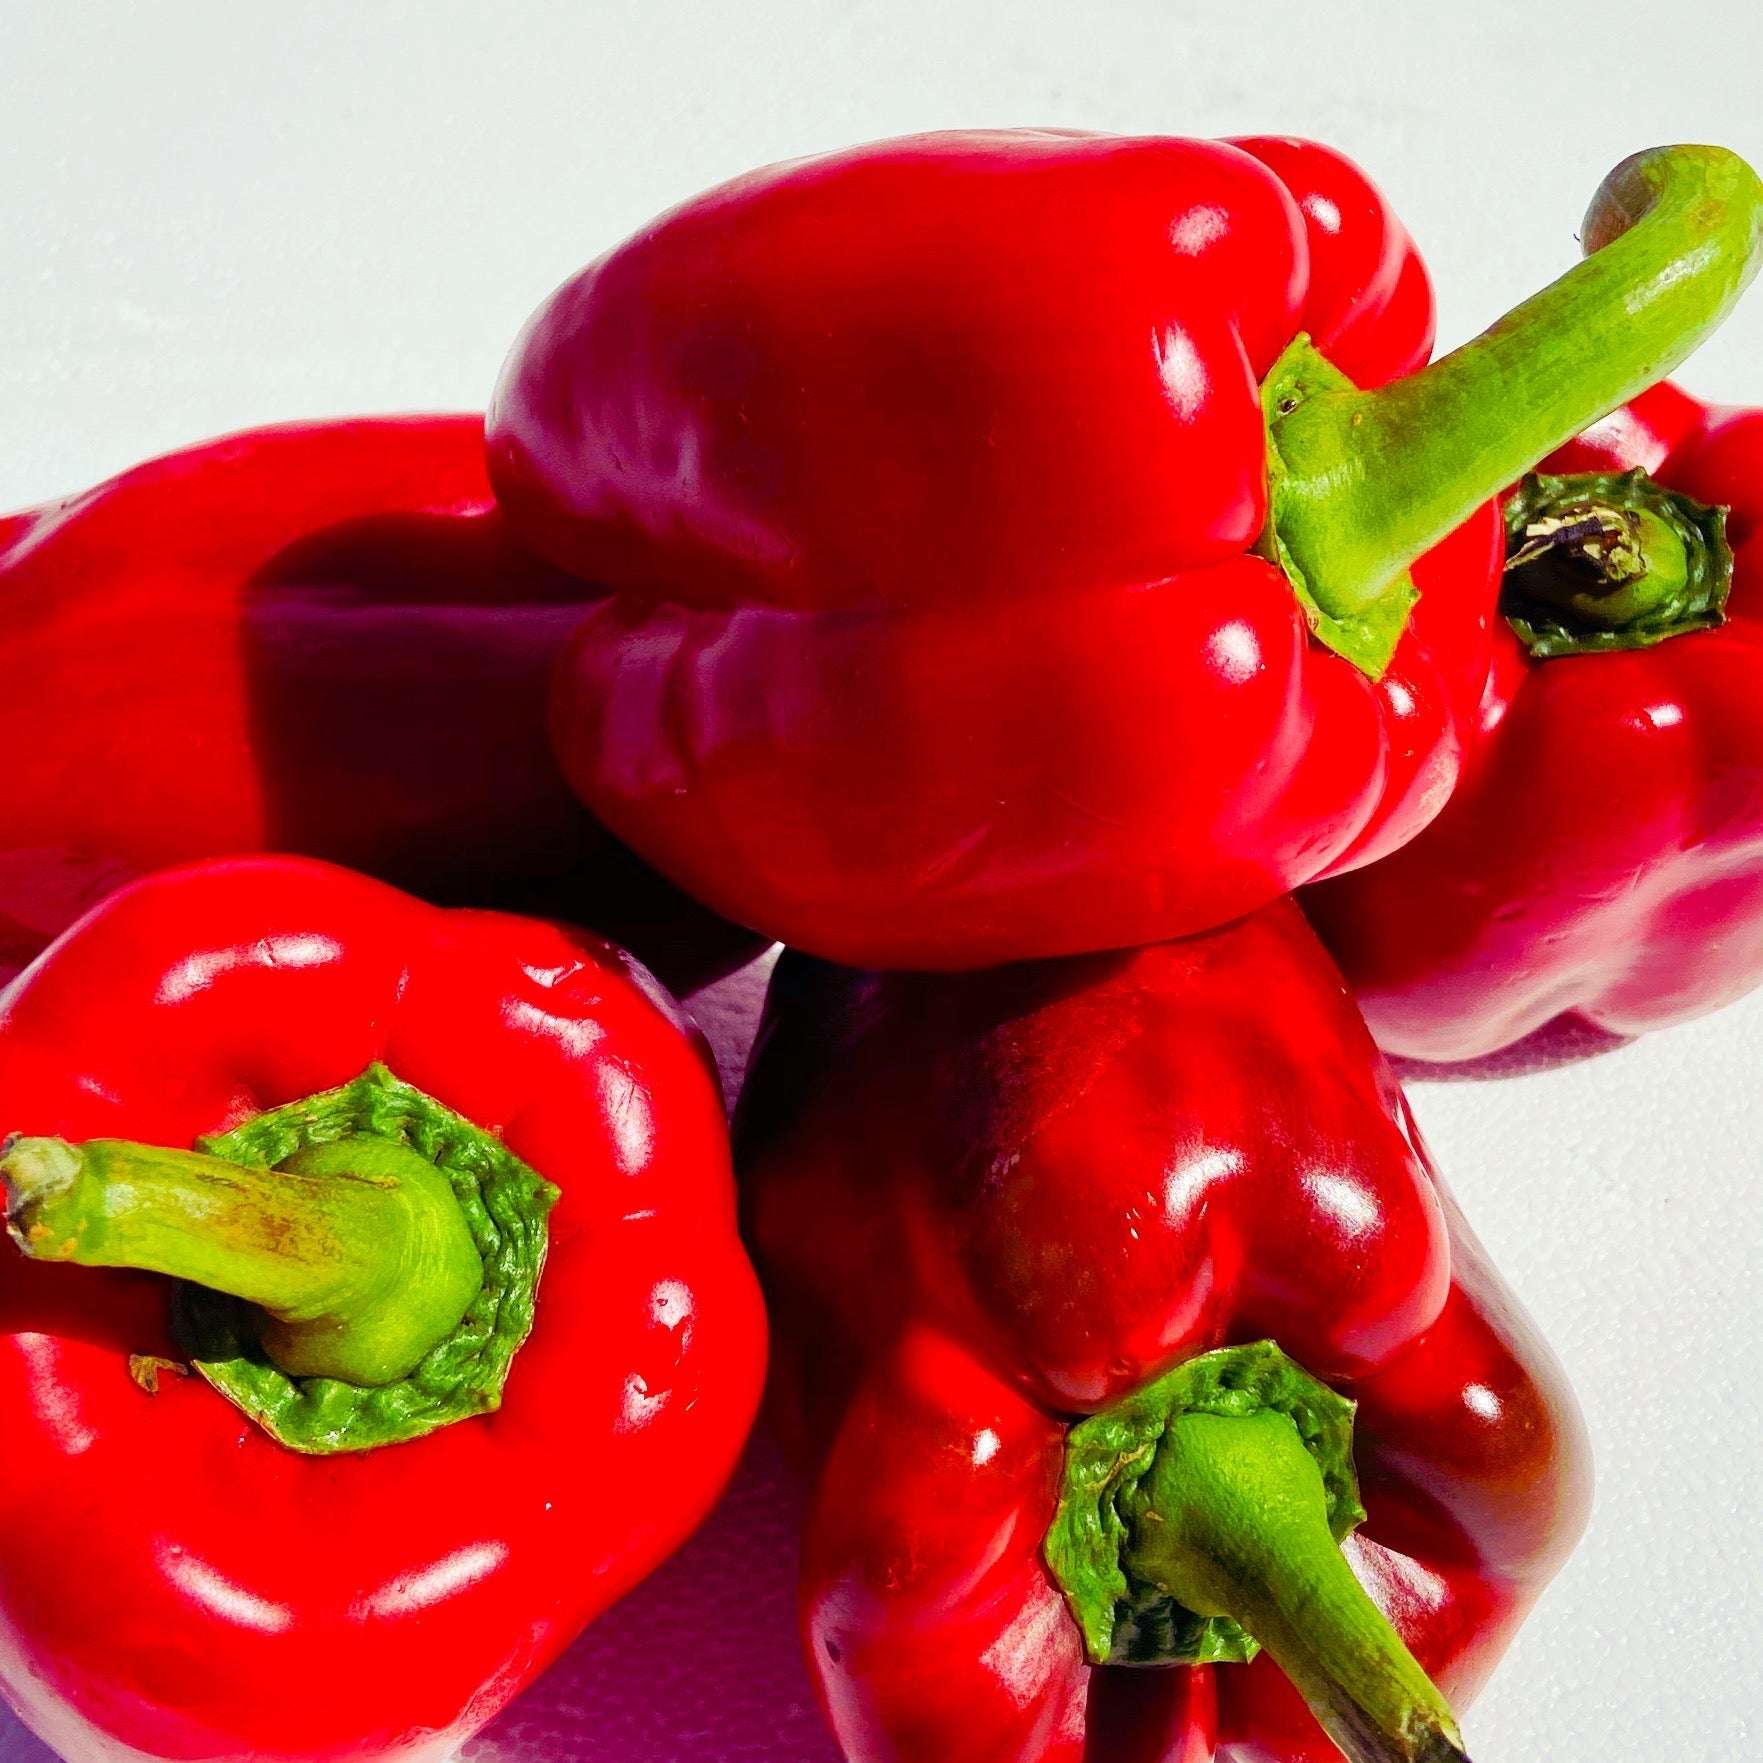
381,1094
1002,570
1602,859
986,1207
319,638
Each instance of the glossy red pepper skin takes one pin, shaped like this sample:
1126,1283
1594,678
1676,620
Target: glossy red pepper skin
320,638
1070,1177
175,1585
927,475
1602,858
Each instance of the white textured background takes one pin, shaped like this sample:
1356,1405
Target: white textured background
213,216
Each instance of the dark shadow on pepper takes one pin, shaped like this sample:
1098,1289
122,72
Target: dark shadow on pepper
398,667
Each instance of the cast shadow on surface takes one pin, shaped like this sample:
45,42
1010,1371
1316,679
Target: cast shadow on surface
701,1661
1565,1041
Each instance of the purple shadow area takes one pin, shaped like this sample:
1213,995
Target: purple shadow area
701,1661
17,1745
1565,1041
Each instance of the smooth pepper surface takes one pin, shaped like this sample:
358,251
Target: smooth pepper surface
173,1583
926,473
1602,859
934,479
319,638
1069,1178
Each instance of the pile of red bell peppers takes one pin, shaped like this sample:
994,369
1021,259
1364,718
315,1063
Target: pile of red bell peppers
1003,567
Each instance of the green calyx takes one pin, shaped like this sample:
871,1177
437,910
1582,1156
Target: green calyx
1363,483
1201,1520
360,1266
1126,1619
1602,561
1364,631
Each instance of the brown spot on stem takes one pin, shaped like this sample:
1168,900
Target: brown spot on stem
145,1369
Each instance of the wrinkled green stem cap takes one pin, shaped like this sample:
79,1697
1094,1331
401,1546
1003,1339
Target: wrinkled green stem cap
1201,1520
1361,484
1603,561
359,1265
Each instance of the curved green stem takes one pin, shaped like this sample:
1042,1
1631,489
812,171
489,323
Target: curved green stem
356,1253
1232,1521
1201,1518
1363,483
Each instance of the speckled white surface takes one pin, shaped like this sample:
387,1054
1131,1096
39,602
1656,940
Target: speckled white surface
213,216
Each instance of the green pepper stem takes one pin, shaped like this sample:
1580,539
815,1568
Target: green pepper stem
1609,561
1232,1521
1363,483
356,1252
